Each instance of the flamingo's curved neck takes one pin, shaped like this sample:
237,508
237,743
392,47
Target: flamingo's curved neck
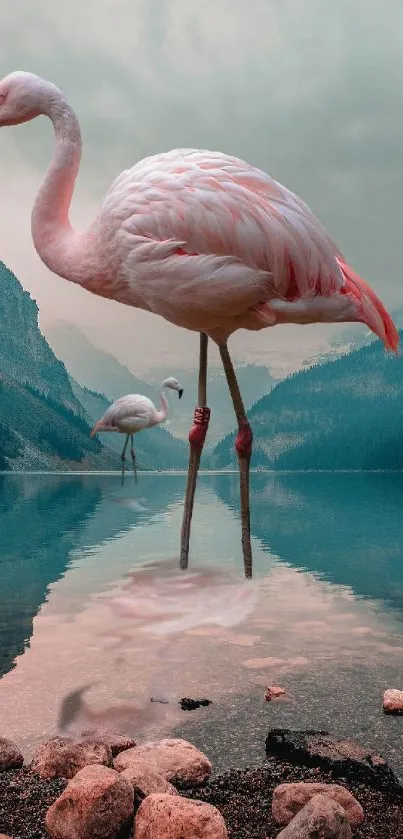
163,413
60,248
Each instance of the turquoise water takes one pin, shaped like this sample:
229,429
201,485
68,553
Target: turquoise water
323,618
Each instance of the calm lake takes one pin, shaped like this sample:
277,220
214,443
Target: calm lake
90,596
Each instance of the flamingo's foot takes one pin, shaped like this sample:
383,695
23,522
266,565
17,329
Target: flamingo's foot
198,431
244,440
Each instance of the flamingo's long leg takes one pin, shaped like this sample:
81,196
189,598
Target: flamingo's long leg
197,436
123,457
133,455
243,445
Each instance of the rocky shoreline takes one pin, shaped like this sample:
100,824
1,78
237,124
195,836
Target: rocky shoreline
104,786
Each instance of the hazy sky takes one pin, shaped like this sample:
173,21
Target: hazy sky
309,90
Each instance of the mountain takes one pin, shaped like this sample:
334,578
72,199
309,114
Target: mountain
343,414
44,425
97,370
352,337
25,355
101,372
254,381
41,421
397,316
39,433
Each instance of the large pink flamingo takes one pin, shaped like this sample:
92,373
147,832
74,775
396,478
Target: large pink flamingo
203,239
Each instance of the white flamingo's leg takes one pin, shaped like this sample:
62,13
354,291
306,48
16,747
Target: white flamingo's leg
133,454
123,457
197,436
243,445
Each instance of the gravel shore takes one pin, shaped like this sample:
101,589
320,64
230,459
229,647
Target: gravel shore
243,797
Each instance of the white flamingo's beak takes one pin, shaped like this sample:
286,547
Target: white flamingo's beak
180,392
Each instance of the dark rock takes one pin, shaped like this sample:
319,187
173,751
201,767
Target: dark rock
191,704
343,758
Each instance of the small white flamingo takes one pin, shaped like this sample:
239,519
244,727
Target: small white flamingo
131,414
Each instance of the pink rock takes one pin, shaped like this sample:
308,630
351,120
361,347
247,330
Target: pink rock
393,701
63,757
145,781
321,817
169,817
289,799
10,755
96,804
115,741
273,692
176,760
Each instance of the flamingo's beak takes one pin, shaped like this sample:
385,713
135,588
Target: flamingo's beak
180,392
95,428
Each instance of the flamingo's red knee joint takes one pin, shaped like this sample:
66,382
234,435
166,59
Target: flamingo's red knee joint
198,431
244,440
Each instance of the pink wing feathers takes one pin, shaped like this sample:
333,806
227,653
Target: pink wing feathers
206,235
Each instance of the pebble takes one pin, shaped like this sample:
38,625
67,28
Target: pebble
273,692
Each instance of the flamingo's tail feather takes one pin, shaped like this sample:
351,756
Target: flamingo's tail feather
374,313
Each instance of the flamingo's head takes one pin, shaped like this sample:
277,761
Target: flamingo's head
24,96
173,384
368,308
102,425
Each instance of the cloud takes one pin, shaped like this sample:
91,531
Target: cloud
309,91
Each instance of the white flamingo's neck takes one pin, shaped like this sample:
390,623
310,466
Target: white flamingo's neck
163,413
60,248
